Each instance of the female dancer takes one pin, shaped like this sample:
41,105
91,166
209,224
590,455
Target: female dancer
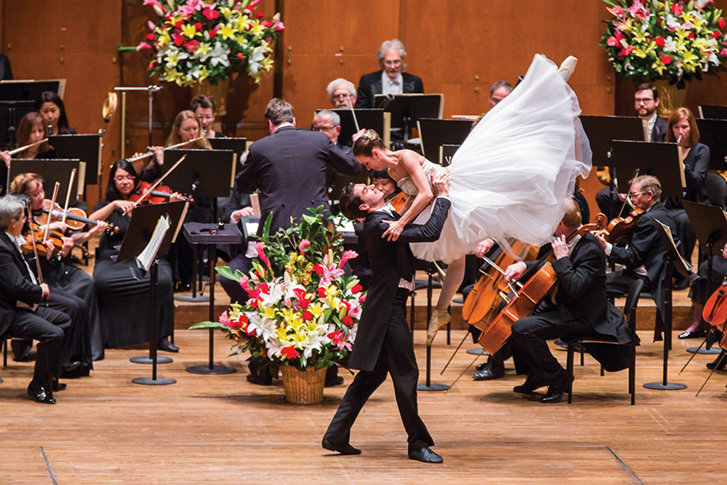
508,179
123,291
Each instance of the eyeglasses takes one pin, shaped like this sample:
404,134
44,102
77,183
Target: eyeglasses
121,178
392,63
643,100
323,128
633,195
342,96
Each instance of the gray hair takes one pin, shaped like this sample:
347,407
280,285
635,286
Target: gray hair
388,45
279,111
331,88
11,209
501,84
335,119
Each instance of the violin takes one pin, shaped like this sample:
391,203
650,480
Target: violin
75,219
487,293
398,201
145,196
621,227
495,333
36,237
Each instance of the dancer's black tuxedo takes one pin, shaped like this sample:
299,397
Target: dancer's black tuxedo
383,342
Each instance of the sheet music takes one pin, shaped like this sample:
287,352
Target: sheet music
147,256
667,231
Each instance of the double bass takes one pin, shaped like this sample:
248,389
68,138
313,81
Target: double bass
531,293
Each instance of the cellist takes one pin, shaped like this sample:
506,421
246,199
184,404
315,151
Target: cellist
576,305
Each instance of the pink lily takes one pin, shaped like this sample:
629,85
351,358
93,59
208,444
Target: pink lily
260,248
346,256
303,245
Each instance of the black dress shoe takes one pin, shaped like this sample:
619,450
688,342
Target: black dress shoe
482,366
695,334
59,386
167,346
531,384
336,381
557,390
41,395
713,365
346,449
681,284
489,373
425,455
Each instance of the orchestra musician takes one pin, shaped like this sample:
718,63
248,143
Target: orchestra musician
391,79
21,315
123,289
342,93
383,341
204,107
579,306
700,292
32,129
51,108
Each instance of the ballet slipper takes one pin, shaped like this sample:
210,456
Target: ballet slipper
567,67
437,321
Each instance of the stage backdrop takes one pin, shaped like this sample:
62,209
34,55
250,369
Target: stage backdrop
458,47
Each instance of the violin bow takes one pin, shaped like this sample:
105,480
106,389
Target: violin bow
463,373
35,248
68,195
454,353
353,112
156,184
53,203
627,200
509,283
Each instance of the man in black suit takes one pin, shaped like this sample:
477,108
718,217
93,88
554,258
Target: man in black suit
383,341
20,315
391,79
578,307
643,255
646,100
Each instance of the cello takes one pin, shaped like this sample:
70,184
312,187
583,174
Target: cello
531,293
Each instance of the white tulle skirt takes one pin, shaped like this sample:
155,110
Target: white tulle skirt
512,174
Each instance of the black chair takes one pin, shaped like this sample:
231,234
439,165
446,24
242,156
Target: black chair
632,301
716,189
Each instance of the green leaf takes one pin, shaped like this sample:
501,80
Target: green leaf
209,325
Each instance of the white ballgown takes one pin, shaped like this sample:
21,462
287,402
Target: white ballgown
510,177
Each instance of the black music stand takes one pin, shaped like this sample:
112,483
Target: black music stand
237,145
713,112
198,233
710,226
17,98
86,148
137,237
11,112
204,173
435,133
407,109
370,118
662,160
672,260
53,170
713,133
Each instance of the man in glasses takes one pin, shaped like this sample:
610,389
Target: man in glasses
391,79
329,123
342,93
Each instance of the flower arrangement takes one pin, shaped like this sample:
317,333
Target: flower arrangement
308,315
674,40
198,40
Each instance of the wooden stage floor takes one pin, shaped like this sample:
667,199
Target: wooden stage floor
224,430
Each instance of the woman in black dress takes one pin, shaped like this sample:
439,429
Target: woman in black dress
123,288
50,106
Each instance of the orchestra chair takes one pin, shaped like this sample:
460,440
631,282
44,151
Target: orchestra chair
716,189
629,310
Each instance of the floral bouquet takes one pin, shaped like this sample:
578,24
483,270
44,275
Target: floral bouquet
302,310
674,40
198,40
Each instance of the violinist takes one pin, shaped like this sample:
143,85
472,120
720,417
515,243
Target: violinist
74,291
123,289
21,315
578,307
643,254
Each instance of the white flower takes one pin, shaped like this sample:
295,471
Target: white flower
257,55
672,22
219,55
670,45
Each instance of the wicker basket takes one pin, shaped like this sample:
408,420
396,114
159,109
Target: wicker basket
303,387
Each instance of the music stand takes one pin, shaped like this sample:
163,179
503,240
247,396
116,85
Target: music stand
17,98
237,145
672,260
370,118
713,112
83,147
52,170
204,173
211,235
662,160
713,133
436,132
710,227
137,237
11,112
407,109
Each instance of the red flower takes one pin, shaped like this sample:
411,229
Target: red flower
318,268
691,35
660,41
149,36
612,42
178,40
321,292
347,321
210,14
179,23
677,9
356,289
239,54
362,299
626,51
300,294
259,14
225,320
266,23
722,24
347,305
198,26
336,336
306,316
192,45
289,352
213,33
665,59
716,34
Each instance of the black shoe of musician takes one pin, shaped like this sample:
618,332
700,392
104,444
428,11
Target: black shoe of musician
71,370
165,345
557,390
425,455
713,365
346,449
41,394
695,334
489,373
59,386
531,384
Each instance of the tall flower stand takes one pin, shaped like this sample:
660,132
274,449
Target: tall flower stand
217,91
670,97
303,387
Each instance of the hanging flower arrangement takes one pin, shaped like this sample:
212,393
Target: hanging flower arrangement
674,40
201,40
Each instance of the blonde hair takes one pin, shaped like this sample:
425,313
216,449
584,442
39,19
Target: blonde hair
21,182
174,137
572,217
